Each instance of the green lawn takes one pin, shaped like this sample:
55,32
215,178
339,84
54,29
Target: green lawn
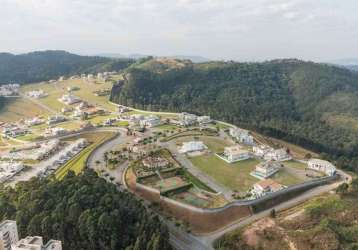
295,164
99,119
286,178
167,127
235,176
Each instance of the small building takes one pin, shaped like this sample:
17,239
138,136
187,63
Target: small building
36,243
322,166
69,99
204,119
8,169
236,153
8,234
14,131
55,119
261,150
277,155
192,146
34,121
265,169
150,121
66,110
37,94
109,121
186,119
56,131
265,187
135,119
72,88
123,109
241,135
152,162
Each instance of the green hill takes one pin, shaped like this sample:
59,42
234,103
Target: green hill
310,104
46,65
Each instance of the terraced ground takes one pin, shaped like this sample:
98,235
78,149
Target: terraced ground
77,163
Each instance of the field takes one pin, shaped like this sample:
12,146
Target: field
85,92
77,163
235,176
286,178
20,108
295,164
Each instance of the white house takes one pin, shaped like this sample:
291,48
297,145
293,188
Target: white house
265,169
56,131
135,119
8,169
186,119
8,234
55,119
277,155
204,119
34,121
192,146
69,99
235,153
261,150
36,243
37,94
241,135
265,187
150,121
322,166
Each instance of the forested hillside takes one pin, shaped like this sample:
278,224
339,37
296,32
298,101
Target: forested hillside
84,212
313,105
46,65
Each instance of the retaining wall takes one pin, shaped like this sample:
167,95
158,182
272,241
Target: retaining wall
204,220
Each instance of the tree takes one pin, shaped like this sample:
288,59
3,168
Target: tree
273,213
342,189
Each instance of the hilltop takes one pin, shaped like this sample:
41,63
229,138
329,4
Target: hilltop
45,65
310,104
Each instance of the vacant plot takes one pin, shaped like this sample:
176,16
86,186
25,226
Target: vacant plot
99,119
286,177
295,164
70,125
235,176
192,197
20,108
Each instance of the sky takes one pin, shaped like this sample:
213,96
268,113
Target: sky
242,30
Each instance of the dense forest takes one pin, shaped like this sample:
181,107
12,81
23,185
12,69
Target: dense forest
84,212
47,65
309,104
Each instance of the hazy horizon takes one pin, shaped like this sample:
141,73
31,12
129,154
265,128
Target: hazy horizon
238,30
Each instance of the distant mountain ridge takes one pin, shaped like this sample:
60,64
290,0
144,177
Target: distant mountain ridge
45,65
194,59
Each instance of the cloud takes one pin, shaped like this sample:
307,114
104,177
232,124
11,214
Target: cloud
238,29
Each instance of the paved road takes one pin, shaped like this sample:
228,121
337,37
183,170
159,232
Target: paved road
184,161
209,239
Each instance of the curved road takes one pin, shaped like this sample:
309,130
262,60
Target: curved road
184,241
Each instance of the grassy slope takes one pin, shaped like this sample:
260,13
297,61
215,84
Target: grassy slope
77,163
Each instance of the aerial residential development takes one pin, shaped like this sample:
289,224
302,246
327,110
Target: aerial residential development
179,125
